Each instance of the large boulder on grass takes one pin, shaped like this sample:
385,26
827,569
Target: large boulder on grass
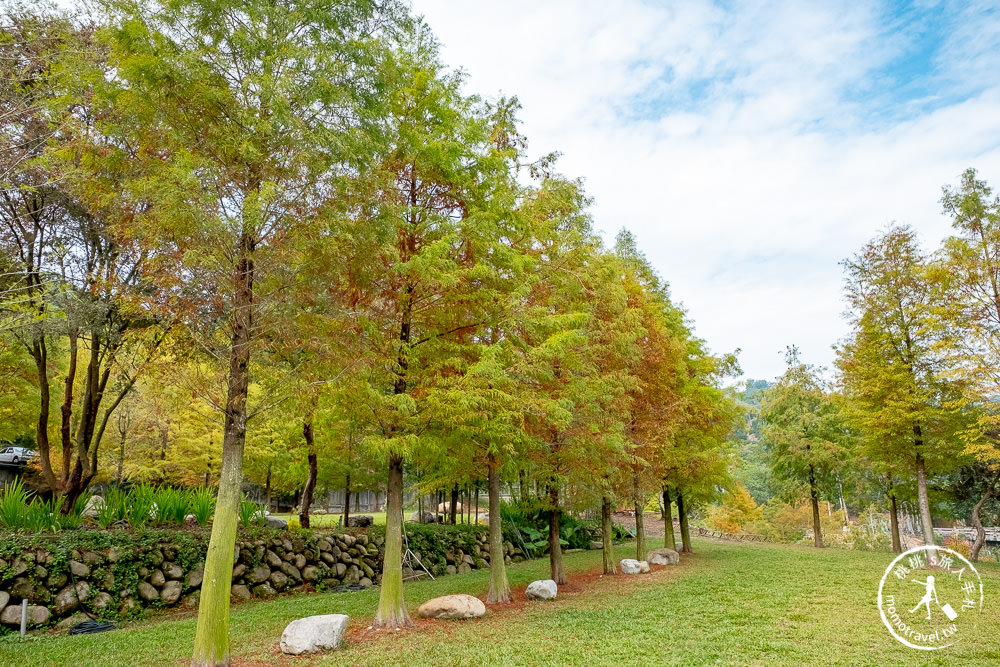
544,589
275,522
360,521
663,557
313,634
630,566
452,606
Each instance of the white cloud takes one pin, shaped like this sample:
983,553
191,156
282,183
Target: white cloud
749,150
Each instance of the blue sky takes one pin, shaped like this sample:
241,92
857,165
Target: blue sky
750,146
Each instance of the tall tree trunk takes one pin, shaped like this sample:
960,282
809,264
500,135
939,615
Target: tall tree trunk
524,486
897,543
814,499
347,500
668,521
926,525
267,489
640,525
977,522
211,644
607,547
454,505
558,574
39,352
685,533
391,608
499,592
307,493
476,521
66,411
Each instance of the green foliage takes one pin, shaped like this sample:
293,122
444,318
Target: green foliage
251,514
201,503
532,520
171,506
20,512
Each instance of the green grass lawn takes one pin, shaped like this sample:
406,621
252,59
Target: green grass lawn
728,604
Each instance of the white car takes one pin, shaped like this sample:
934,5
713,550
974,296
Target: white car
16,455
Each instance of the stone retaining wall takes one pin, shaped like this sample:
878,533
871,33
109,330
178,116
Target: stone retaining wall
121,583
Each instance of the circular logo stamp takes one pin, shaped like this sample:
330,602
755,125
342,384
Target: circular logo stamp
928,596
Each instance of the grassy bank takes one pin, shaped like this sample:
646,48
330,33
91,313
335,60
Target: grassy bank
746,604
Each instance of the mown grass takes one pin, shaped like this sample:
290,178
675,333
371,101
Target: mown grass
728,604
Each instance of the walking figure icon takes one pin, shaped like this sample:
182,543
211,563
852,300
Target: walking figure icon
931,594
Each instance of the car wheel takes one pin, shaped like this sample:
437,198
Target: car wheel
15,460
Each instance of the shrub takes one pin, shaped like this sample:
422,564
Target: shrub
170,506
251,513
737,510
140,505
201,503
958,545
14,505
114,508
531,520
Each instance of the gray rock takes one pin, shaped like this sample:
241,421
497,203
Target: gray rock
279,580
156,557
4,599
173,570
101,601
56,581
37,615
92,558
663,557
66,623
147,592
197,575
23,588
464,568
263,591
596,545
310,573
300,561
630,566
259,574
68,599
78,569
643,567
366,582
341,570
171,592
452,606
94,505
157,578
544,589
291,572
451,569
239,592
274,522
360,521
313,634
238,571
272,559
191,601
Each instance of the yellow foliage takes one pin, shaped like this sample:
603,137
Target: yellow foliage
737,510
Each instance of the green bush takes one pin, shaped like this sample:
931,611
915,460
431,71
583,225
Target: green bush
251,513
170,506
531,520
201,504
20,512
